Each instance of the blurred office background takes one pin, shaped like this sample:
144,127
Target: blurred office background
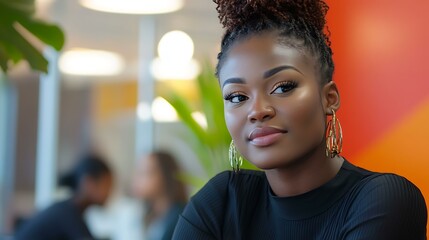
380,51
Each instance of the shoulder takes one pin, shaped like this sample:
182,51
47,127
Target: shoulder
389,205
52,212
390,189
215,202
56,210
43,224
395,195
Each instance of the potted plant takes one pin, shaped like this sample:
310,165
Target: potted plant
17,22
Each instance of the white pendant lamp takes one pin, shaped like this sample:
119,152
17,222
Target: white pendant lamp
134,6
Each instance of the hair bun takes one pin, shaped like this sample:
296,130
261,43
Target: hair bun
236,13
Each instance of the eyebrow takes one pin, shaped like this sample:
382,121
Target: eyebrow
275,70
233,80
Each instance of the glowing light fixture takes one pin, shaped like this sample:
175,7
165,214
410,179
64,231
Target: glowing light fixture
175,62
134,6
88,62
160,111
176,46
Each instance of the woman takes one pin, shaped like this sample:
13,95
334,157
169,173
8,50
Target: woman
91,183
164,195
275,70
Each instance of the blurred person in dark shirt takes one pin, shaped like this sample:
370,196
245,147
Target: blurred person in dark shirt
91,182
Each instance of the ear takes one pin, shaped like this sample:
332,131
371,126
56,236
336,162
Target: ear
330,98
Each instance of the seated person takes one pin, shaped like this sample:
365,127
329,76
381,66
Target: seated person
91,184
156,183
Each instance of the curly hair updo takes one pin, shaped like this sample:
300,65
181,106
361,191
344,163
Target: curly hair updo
298,23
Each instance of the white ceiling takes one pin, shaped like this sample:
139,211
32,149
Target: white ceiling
119,33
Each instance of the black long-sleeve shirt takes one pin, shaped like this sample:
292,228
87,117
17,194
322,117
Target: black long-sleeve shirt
355,204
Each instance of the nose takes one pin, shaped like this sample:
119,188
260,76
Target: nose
260,111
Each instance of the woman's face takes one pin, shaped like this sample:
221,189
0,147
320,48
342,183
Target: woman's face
148,182
274,109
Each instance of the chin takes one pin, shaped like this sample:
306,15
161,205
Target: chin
266,158
268,161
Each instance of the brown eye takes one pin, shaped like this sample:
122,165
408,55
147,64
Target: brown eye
284,87
236,98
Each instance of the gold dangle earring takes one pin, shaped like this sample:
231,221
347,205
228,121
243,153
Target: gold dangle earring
235,159
334,137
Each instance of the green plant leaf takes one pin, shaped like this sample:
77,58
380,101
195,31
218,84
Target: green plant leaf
185,113
24,6
47,33
11,52
9,35
202,152
15,46
213,103
3,60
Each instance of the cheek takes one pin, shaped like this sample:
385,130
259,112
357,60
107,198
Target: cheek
149,186
306,114
105,191
98,191
234,122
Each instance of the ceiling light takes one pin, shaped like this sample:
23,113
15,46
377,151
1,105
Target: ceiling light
88,62
176,46
134,6
175,62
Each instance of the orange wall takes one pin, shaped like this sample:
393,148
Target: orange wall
382,68
112,98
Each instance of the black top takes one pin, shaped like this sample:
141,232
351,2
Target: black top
61,221
355,204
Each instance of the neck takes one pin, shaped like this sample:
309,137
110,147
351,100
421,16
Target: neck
81,202
304,175
161,205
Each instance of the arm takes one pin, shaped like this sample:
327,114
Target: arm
387,207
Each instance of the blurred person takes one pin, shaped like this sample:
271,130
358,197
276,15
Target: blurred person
91,183
164,195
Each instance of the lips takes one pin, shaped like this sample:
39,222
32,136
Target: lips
265,136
